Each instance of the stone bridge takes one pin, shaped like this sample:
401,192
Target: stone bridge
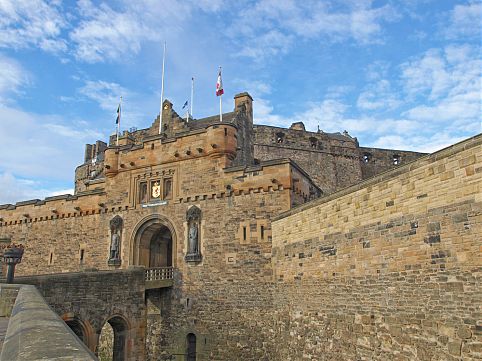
88,300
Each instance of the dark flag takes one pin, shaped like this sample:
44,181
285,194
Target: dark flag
118,114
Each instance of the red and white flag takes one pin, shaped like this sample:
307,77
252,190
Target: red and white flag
219,84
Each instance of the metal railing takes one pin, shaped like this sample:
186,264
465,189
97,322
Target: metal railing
159,273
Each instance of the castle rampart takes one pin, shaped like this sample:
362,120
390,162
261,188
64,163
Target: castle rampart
387,269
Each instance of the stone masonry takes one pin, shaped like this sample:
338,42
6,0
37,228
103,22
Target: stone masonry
388,269
352,268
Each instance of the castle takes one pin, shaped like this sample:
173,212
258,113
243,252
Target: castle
266,243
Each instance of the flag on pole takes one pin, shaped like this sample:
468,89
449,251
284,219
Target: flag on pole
219,84
118,114
185,105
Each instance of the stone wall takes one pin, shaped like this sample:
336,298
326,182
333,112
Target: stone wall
220,299
88,300
331,160
375,161
35,332
387,269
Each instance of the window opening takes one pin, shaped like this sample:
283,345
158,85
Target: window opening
396,159
279,138
167,188
244,233
143,192
313,142
262,232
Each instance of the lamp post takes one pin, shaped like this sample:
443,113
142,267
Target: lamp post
11,257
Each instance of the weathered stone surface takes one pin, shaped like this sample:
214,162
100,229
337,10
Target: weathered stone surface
91,299
385,269
36,333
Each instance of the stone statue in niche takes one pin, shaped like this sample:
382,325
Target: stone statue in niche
115,240
193,239
193,218
114,246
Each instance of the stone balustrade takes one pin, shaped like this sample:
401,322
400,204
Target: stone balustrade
159,277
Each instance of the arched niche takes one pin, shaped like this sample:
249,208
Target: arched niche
193,246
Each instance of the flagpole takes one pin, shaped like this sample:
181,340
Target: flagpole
220,101
221,108
162,87
192,94
118,123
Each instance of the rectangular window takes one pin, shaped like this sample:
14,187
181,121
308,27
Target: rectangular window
244,233
167,188
81,256
143,192
262,232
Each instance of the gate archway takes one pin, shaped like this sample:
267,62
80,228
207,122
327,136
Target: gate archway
113,339
82,329
154,243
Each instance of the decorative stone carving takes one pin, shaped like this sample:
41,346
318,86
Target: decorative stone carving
193,239
193,217
116,224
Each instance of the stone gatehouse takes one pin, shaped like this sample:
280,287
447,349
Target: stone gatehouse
277,244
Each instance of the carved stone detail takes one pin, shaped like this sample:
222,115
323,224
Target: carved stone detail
116,225
193,217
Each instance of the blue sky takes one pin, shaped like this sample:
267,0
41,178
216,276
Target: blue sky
395,74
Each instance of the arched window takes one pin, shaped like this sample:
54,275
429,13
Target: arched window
191,347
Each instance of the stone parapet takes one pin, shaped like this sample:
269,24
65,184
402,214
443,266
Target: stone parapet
35,332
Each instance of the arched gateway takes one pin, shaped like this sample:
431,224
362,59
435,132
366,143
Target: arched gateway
154,243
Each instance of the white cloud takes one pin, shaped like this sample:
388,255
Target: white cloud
426,74
104,93
41,146
26,23
378,95
12,77
451,78
270,27
107,96
429,102
464,21
105,33
13,189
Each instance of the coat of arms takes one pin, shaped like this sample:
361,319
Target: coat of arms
156,189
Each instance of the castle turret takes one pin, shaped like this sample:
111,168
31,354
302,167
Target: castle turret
243,108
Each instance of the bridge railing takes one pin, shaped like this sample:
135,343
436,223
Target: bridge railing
159,273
